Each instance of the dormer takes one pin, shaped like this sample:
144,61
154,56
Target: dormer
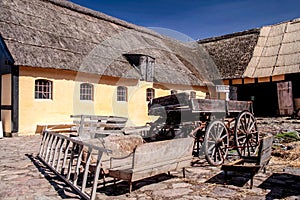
143,64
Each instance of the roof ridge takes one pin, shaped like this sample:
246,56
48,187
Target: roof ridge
97,14
230,35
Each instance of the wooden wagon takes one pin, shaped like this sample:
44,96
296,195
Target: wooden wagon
216,125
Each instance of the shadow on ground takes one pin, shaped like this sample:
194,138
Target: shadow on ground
63,190
282,185
122,187
233,178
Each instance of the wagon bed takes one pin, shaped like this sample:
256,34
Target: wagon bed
182,102
217,125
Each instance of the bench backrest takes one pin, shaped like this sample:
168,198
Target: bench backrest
163,151
265,150
89,125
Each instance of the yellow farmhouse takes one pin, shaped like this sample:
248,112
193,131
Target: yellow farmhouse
58,59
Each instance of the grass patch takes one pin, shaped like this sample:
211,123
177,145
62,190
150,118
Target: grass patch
288,137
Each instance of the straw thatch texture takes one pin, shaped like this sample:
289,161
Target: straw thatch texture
277,51
62,35
232,53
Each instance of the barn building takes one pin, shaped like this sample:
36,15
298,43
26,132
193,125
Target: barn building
261,65
59,59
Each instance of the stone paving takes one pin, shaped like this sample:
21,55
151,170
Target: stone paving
23,176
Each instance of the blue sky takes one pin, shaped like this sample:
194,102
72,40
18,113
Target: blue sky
198,19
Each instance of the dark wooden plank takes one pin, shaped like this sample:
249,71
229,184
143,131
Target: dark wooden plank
238,106
180,99
265,150
6,107
15,99
285,98
208,105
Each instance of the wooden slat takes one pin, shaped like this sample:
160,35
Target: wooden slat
74,145
60,154
208,105
238,106
75,179
96,176
86,169
285,98
49,147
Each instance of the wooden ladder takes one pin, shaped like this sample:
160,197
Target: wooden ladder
63,155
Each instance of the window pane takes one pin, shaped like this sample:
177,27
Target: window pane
121,93
43,89
150,94
86,91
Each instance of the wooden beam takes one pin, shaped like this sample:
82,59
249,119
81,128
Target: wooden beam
237,81
5,69
249,80
278,78
0,95
6,107
15,99
264,80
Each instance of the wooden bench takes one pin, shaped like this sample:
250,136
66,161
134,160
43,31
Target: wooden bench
252,164
151,159
92,126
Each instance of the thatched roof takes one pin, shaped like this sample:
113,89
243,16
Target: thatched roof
263,52
62,35
277,51
232,53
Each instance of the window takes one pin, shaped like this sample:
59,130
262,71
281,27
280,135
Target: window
121,93
173,91
150,94
86,91
193,95
43,89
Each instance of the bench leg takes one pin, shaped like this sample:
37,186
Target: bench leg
103,174
225,177
183,172
251,181
115,185
130,187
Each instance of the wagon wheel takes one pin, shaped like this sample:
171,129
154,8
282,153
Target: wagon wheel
298,113
246,134
198,135
216,142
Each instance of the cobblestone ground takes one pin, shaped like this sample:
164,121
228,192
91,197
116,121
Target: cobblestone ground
23,176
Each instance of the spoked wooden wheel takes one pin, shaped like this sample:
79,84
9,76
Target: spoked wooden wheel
216,142
198,135
246,134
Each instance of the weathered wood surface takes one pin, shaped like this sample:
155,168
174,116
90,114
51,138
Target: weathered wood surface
238,106
208,105
170,102
91,126
119,146
285,98
252,164
182,101
63,155
58,128
154,158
